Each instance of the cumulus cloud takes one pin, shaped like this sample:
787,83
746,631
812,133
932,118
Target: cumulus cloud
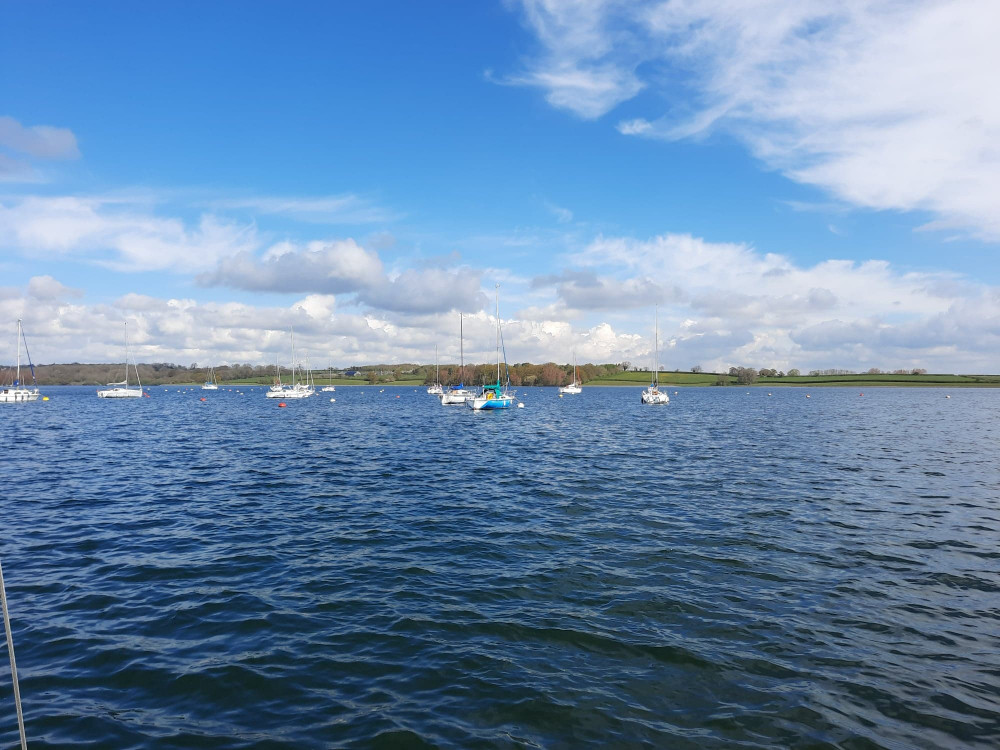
585,290
47,288
324,267
725,303
427,290
179,330
886,105
345,267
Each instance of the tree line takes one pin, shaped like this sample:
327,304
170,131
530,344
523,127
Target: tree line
521,374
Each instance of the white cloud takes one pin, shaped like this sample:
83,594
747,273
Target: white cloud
427,290
330,209
39,141
563,215
345,267
731,307
118,235
47,288
17,170
724,304
324,267
887,105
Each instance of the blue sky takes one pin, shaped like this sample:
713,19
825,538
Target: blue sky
794,186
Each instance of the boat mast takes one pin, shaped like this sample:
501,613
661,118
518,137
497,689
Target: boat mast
498,332
656,345
437,367
291,335
135,366
126,354
461,353
17,341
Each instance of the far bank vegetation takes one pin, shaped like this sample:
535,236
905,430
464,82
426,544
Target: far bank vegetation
524,374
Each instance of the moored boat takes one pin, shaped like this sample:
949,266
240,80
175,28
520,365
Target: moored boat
653,395
498,395
123,389
17,392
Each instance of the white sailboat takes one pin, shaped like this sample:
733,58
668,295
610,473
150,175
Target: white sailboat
16,392
329,388
576,387
276,387
211,384
653,394
122,390
436,389
298,389
459,394
498,395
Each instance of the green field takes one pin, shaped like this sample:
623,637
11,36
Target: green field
869,381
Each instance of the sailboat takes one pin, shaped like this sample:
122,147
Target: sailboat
211,384
16,393
329,388
306,386
276,387
653,394
498,395
436,389
122,390
458,394
297,389
575,387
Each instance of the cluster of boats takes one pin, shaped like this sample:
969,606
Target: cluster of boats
498,395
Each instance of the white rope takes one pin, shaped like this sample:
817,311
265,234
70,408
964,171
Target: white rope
13,664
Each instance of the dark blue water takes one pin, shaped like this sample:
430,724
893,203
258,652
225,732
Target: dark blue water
732,570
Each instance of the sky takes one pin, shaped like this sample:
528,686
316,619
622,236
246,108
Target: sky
789,183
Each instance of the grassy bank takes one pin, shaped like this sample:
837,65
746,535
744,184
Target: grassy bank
852,381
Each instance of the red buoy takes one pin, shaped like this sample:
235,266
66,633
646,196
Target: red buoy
203,399
282,405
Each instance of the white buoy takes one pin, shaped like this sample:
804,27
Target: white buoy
332,400
520,406
947,396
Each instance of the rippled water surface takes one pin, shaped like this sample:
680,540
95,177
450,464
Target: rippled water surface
732,570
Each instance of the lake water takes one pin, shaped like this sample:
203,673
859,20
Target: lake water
736,569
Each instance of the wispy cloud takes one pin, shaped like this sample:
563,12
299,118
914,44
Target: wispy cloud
39,141
119,235
886,105
563,215
26,145
331,209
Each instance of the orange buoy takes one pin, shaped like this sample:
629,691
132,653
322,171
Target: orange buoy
282,405
203,399
861,394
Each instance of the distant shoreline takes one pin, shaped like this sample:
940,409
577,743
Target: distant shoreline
594,384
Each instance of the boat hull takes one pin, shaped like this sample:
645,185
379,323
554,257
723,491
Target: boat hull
18,395
456,398
210,387
291,393
571,389
120,393
489,404
654,397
